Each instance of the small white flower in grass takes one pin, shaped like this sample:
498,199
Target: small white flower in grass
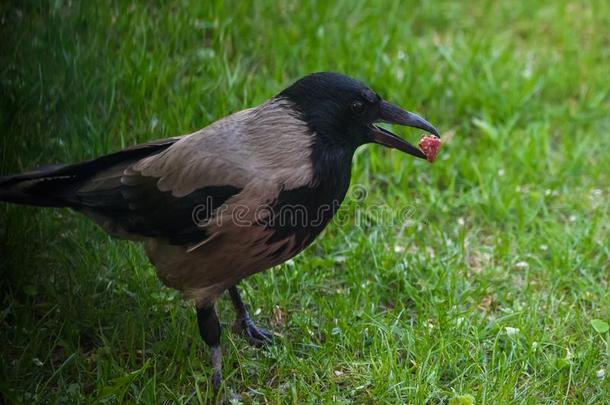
154,122
501,172
573,218
527,71
338,373
544,247
596,197
340,259
399,249
461,221
510,331
409,223
600,374
522,265
258,311
399,73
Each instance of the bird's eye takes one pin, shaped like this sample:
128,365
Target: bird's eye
357,106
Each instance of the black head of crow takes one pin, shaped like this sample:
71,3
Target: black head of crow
195,201
343,111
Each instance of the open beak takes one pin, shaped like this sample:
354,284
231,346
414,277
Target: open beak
391,114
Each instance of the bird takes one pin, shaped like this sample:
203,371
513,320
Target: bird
244,194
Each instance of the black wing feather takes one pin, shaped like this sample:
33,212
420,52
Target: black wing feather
139,207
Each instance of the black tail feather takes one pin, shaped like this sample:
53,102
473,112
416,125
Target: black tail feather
41,187
56,185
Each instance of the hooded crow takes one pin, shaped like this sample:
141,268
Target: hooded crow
239,196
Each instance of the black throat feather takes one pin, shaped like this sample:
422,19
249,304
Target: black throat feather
305,211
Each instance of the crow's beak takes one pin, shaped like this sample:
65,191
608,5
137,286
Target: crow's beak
391,114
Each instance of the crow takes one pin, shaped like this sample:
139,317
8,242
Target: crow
244,194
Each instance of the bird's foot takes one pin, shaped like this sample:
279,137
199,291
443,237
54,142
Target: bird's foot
216,367
216,380
254,335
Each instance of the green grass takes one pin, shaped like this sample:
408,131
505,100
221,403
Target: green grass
407,311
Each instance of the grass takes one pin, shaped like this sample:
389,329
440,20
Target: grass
487,288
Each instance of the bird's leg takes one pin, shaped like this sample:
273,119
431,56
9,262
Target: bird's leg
209,329
244,325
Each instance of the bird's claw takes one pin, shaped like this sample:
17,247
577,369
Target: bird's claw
216,380
254,335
